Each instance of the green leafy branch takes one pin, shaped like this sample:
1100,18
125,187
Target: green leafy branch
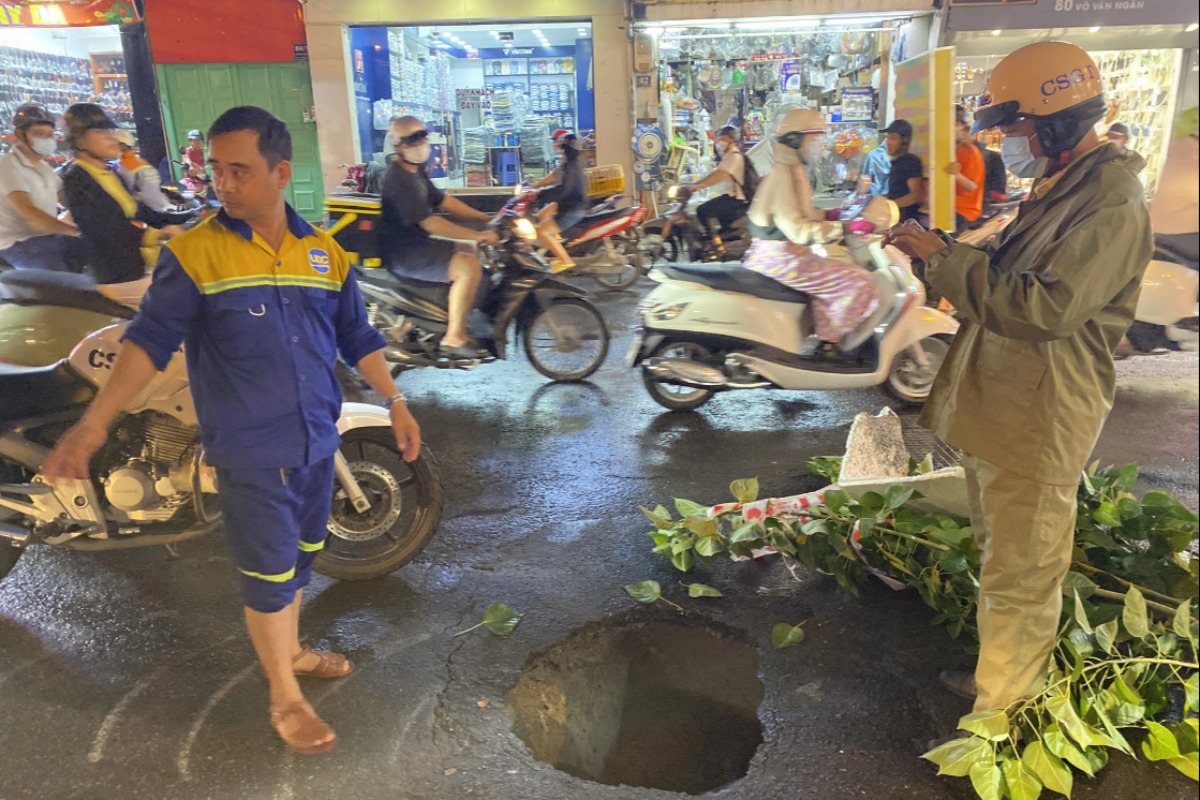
1125,663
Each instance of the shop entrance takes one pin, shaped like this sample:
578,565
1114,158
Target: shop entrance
491,95
58,67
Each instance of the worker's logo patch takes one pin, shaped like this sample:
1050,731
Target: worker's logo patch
318,259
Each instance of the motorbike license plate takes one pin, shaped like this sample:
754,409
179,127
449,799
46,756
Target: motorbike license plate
639,338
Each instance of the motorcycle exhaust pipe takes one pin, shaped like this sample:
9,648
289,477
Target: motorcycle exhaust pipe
682,372
17,537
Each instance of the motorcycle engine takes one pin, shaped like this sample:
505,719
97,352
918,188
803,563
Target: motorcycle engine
154,479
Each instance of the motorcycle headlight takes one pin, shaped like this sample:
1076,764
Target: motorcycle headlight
672,193
525,229
668,313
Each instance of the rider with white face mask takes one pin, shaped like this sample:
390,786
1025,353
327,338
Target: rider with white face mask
409,224
783,223
31,234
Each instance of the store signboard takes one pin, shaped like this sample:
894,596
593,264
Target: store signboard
473,99
925,97
65,13
985,15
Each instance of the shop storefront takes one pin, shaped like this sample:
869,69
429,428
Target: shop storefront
490,93
58,54
696,75
1145,51
492,80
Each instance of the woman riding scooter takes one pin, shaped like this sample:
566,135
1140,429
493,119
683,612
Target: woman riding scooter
729,206
783,223
122,235
566,202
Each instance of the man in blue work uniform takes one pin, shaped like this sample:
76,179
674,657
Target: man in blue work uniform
264,303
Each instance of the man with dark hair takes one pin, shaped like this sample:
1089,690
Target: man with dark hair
968,170
906,181
264,303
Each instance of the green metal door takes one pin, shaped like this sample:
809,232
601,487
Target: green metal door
193,95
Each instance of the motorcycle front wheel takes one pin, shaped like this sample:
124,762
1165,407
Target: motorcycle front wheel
406,507
567,340
910,382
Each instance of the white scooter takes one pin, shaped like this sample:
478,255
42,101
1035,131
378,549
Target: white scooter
1166,314
714,328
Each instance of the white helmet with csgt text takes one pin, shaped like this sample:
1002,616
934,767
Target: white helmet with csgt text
1055,84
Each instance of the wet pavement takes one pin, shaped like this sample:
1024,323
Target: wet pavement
128,675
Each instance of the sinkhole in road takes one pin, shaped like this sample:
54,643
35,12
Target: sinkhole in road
650,704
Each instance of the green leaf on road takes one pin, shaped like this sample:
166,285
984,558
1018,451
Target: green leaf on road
1078,583
956,757
702,590
744,533
498,618
659,516
1049,768
991,725
1182,621
784,635
1106,634
1160,745
645,592
709,546
745,489
1107,515
687,508
1081,615
987,780
1188,764
1022,782
1058,744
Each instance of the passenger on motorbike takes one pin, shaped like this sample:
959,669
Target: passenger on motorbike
565,203
123,237
31,234
140,178
783,223
195,167
729,174
408,227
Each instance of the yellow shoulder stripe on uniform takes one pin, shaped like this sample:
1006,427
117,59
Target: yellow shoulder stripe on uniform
247,281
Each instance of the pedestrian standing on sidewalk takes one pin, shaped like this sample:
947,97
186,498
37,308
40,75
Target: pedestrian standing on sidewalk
1030,378
906,178
264,303
968,171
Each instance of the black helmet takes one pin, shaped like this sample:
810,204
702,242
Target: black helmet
83,117
31,114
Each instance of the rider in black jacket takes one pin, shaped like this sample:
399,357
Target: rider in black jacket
122,235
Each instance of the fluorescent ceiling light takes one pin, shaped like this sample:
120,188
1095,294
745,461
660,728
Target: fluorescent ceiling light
996,33
766,25
653,30
1195,26
1094,29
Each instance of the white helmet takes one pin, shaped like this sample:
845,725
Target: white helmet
798,120
126,137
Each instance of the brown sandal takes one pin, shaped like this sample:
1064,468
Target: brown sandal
329,665
309,738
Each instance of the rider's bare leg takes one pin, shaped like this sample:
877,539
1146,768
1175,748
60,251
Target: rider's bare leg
465,274
550,236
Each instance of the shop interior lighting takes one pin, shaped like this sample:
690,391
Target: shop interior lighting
653,30
996,33
1195,26
767,25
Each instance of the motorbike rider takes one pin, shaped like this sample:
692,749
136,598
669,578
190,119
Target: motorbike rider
264,303
1030,378
783,222
730,175
195,166
31,234
565,203
140,178
122,235
408,225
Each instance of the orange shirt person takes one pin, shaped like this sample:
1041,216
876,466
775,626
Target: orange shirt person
968,170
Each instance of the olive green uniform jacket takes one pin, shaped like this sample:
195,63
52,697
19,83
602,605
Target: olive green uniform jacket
1030,378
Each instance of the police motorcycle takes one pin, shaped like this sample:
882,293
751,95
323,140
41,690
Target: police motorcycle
718,328
563,334
676,235
1166,316
151,484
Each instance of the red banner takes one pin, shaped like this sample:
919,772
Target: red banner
65,13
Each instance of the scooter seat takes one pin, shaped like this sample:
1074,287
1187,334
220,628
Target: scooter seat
36,287
431,291
726,278
34,391
595,219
